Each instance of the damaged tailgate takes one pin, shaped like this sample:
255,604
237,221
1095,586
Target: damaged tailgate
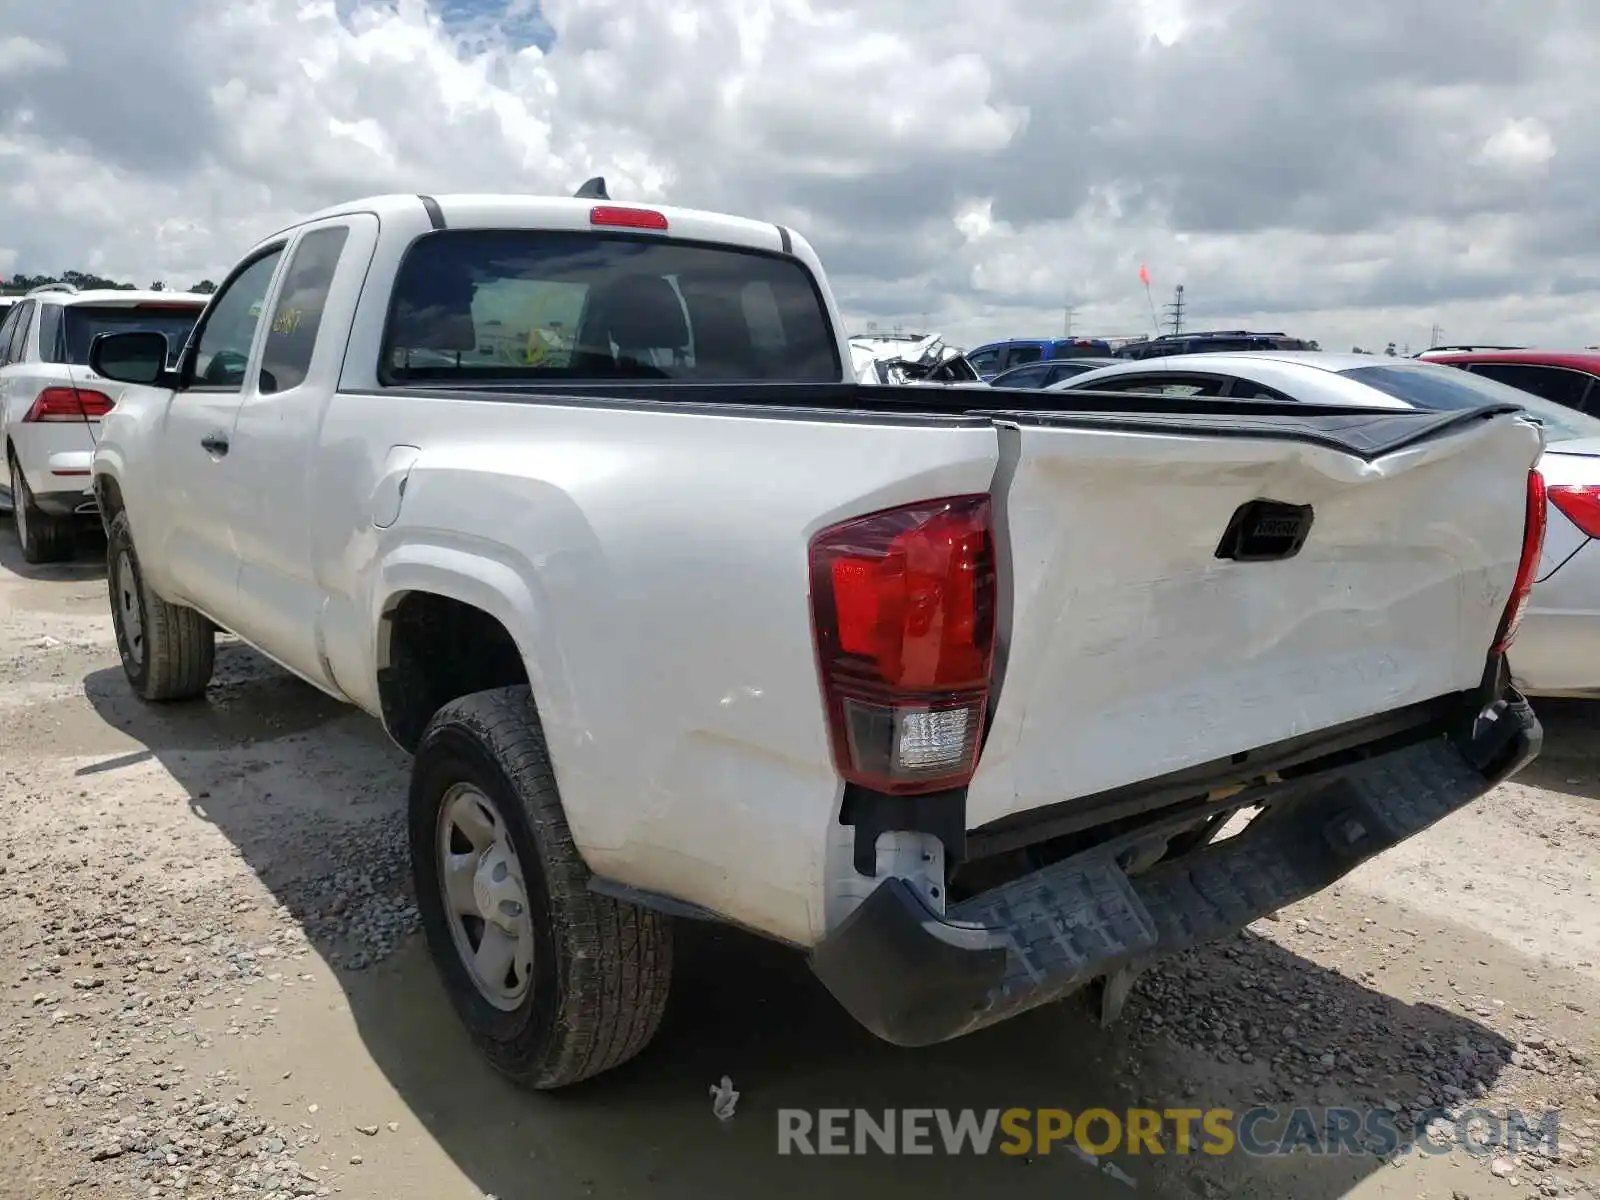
1190,585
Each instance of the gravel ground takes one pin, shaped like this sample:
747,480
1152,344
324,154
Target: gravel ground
210,985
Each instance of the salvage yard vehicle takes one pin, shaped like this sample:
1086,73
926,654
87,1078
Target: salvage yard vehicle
907,360
951,692
51,403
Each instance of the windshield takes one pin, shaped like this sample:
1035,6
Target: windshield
82,323
553,305
1441,388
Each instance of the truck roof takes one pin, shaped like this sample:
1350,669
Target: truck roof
517,211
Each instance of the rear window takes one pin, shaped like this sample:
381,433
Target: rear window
1068,370
1441,388
80,324
1144,350
543,305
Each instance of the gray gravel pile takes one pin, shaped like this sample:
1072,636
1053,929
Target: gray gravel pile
359,912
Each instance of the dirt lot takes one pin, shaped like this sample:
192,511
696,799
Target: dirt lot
211,985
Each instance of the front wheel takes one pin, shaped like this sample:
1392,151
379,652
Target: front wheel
168,650
554,982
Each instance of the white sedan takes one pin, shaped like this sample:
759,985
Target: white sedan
1557,650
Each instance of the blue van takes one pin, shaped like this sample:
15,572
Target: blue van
995,357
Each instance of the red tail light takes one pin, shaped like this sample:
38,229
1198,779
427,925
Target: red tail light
628,218
1580,504
903,606
1528,567
68,404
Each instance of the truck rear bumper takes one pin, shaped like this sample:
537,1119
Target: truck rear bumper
915,978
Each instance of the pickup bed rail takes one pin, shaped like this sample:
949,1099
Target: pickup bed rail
1365,433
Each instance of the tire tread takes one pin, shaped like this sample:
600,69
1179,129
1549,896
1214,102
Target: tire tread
614,959
52,538
180,643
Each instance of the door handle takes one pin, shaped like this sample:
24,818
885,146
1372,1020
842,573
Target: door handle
215,443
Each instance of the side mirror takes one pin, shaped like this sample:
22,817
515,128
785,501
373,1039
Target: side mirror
136,357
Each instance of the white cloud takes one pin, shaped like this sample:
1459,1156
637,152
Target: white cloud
975,220
19,55
1519,147
1164,20
1354,173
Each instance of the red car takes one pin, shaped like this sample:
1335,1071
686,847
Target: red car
1569,377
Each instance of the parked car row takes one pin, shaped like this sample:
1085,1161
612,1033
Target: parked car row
997,358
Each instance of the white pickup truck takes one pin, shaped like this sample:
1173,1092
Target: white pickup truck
948,690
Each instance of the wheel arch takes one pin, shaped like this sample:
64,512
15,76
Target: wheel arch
108,495
446,628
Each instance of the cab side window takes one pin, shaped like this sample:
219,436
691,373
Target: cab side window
297,316
222,350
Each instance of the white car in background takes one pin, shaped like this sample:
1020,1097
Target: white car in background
51,402
1557,651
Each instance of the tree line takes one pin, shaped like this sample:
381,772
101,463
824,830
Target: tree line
85,281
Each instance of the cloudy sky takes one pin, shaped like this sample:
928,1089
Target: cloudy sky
1354,172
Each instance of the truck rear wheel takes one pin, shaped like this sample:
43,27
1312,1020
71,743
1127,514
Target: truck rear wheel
554,982
168,650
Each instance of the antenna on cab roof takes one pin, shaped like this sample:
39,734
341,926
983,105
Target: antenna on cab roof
595,189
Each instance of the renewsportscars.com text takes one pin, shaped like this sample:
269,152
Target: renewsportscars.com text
1261,1131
